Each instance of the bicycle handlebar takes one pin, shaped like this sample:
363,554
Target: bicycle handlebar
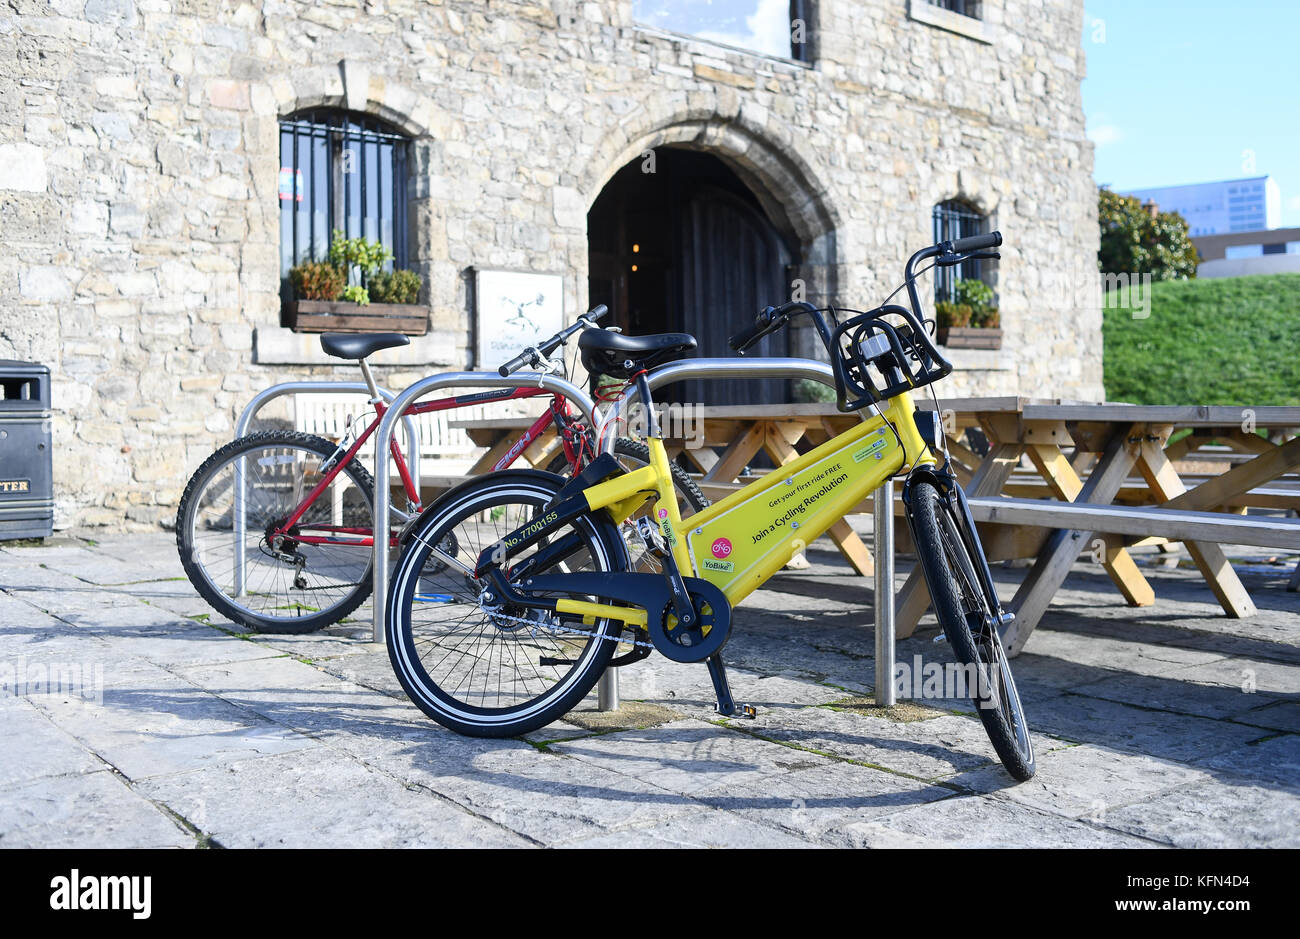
534,354
769,319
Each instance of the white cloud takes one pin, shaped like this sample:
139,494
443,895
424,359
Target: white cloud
1103,135
1293,204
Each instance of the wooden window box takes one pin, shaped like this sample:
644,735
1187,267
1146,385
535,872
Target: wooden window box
966,337
344,316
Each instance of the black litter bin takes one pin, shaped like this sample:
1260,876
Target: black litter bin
26,477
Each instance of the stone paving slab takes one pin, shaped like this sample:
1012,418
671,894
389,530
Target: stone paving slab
95,810
197,733
312,799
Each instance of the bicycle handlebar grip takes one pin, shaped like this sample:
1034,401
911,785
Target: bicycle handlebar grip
597,312
516,363
977,242
750,334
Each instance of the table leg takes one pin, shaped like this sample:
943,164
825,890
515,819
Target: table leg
1066,486
1063,546
1209,557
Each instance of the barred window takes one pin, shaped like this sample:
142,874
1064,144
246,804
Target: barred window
340,170
952,220
969,8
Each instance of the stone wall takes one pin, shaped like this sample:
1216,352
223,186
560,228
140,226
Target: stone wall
139,157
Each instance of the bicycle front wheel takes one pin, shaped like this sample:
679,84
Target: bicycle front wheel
228,532
966,615
476,666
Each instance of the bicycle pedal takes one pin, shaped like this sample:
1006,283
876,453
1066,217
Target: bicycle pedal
747,711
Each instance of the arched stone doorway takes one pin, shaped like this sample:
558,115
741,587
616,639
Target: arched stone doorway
678,241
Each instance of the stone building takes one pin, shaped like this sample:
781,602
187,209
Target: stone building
144,179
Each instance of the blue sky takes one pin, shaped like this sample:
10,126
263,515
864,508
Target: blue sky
1188,92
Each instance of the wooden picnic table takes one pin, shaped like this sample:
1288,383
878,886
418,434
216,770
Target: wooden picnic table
1107,467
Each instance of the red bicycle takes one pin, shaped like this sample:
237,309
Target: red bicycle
276,529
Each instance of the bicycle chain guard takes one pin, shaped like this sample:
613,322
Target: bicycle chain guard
651,593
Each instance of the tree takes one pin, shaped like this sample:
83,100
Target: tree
1133,241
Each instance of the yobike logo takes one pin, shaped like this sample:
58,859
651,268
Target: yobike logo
725,567
78,892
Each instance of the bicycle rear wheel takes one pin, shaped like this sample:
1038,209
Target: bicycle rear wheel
966,615
314,575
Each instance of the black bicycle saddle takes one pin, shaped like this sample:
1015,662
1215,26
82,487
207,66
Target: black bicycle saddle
610,353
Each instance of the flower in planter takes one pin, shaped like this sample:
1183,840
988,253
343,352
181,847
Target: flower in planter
394,286
317,280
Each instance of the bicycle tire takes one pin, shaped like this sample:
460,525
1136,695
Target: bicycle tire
335,574
958,601
433,612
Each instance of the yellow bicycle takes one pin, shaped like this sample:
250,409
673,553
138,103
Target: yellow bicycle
514,628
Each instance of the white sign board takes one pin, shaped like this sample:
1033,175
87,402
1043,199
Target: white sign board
515,310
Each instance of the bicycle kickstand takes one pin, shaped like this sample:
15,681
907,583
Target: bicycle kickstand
726,707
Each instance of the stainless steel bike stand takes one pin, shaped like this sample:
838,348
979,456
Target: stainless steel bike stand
259,401
384,435
883,542
740,368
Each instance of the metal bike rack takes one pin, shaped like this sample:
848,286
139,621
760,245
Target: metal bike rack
883,531
398,410
259,401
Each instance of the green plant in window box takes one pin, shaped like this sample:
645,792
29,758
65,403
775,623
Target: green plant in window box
316,280
979,297
394,286
357,294
357,255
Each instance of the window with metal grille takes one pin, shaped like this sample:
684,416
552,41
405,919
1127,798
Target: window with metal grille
345,171
969,8
952,220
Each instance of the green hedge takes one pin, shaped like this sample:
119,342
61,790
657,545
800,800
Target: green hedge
1230,340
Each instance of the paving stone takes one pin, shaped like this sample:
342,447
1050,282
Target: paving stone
929,750
152,722
95,810
552,798
818,803
314,799
990,822
700,830
1154,733
1274,760
1215,815
183,703
1177,693
689,757
1083,781
34,747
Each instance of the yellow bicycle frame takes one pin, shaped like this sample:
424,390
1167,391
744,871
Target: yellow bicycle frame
741,541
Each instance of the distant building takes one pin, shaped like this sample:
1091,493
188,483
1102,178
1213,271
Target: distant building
1275,251
1233,205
